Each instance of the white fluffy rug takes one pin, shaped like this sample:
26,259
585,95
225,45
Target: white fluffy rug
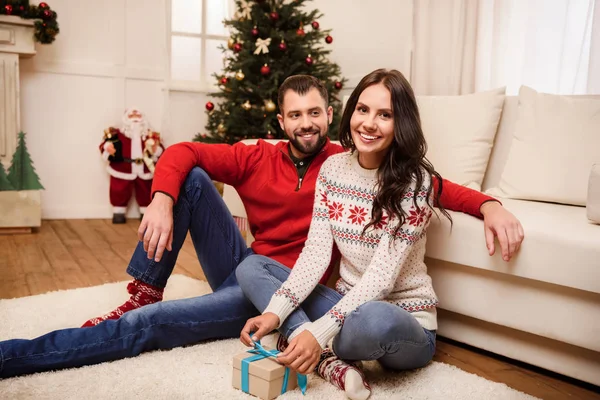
197,372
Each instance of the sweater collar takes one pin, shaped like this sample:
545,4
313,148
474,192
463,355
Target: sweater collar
367,173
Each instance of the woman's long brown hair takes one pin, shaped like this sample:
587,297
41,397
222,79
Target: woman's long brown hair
405,160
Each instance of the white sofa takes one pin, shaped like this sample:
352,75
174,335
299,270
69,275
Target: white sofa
542,307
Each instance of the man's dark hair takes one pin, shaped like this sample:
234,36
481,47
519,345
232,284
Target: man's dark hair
301,84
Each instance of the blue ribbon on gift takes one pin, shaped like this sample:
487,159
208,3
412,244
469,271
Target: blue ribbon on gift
260,353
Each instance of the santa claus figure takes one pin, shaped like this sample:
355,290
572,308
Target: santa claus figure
132,153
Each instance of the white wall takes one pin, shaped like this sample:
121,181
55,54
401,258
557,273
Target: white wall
108,56
368,35
115,57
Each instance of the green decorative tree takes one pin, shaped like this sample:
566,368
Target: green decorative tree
4,182
21,173
271,40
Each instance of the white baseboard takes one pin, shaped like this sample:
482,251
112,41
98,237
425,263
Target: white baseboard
85,212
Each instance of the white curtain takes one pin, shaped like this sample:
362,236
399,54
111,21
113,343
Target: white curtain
594,70
444,46
465,46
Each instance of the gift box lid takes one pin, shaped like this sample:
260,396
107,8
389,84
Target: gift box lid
267,368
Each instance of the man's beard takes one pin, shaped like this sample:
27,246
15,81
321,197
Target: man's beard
308,148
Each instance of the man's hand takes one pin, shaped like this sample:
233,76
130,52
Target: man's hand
303,353
261,325
501,223
156,229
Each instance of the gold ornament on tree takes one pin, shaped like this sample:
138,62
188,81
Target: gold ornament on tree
247,106
221,128
240,75
270,106
230,43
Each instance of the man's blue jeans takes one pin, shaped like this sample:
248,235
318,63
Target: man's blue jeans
164,325
376,330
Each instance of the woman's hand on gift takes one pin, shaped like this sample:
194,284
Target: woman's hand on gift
261,325
303,353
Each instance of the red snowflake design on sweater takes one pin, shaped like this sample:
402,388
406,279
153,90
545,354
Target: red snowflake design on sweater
418,217
324,198
357,215
381,224
335,211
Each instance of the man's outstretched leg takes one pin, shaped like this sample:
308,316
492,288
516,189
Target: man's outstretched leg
163,325
218,242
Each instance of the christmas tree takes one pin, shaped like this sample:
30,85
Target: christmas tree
4,182
21,173
270,41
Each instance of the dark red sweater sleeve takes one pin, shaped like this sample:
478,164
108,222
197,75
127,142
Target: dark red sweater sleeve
456,197
225,163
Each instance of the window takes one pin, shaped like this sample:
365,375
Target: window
196,31
542,44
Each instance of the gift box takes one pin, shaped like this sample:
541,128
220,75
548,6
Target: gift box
257,373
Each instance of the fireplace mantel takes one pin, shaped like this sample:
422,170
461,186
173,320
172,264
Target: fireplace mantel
16,41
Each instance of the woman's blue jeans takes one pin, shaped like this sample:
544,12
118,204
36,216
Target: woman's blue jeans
374,331
164,325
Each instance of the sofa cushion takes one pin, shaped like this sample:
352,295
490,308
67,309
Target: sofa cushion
460,132
555,143
561,246
593,197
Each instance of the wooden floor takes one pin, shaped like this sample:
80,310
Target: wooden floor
66,254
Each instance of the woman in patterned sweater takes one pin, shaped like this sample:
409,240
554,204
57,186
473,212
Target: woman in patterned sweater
374,203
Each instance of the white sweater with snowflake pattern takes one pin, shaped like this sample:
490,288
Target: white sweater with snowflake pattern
374,266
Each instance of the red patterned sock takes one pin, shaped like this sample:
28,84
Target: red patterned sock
141,294
345,376
132,286
282,343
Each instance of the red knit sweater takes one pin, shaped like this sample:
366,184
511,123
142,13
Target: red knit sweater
278,205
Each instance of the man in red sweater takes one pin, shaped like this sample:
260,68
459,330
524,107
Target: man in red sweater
277,186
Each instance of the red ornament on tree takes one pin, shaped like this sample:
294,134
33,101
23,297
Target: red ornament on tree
338,85
210,106
274,16
9,9
309,61
270,135
300,32
265,70
315,25
47,14
282,46
237,47
254,32
328,39
21,8
43,5
224,80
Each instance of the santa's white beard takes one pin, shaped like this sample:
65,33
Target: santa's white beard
135,130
